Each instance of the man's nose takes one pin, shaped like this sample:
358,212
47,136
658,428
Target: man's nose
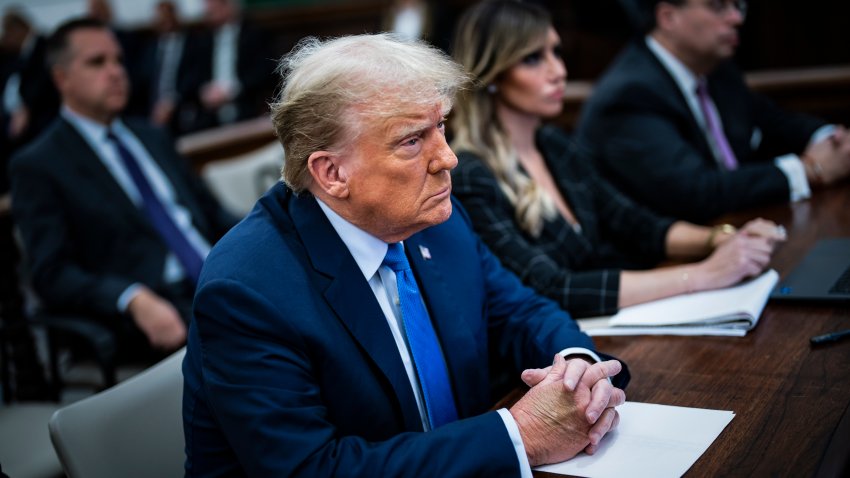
444,157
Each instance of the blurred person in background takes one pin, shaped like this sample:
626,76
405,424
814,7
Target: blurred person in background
114,225
229,70
160,64
28,102
673,124
537,201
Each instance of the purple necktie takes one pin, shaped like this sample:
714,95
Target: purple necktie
713,123
173,237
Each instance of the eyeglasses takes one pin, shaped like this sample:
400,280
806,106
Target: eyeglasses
720,7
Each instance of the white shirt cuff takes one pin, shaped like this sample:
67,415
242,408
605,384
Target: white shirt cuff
128,295
792,167
822,133
580,351
516,439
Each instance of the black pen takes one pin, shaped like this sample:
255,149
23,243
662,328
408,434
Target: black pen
831,337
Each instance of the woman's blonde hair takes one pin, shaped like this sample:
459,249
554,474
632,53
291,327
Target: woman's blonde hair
331,89
492,37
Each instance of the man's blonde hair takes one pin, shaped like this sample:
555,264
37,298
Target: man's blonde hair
329,89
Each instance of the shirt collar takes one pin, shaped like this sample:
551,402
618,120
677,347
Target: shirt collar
684,77
90,128
368,251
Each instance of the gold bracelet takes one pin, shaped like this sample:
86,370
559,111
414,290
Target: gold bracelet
715,231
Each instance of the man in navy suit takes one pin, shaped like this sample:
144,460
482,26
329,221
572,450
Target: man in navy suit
93,245
673,124
347,326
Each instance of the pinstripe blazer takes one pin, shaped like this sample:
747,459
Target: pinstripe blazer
579,270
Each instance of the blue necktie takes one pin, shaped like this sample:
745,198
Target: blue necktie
174,238
427,358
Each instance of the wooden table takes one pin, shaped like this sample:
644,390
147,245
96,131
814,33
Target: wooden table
790,399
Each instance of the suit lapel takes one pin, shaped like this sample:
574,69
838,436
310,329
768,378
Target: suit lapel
432,268
352,300
89,164
679,103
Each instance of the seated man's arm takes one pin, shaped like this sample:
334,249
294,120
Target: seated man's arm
38,212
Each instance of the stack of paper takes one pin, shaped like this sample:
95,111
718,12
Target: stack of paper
655,441
730,311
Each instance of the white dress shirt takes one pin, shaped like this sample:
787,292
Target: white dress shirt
368,252
169,52
94,134
790,164
225,57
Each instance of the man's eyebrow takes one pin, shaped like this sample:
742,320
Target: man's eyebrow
400,132
409,128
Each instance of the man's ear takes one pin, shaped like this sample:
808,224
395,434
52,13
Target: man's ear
57,73
665,15
326,174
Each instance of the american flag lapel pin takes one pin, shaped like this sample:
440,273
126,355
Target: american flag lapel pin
426,254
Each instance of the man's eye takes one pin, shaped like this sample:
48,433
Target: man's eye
411,142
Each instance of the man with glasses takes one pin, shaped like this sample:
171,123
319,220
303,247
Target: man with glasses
673,123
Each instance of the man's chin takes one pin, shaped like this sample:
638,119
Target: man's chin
440,213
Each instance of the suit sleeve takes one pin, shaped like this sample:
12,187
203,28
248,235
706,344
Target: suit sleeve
262,390
783,132
57,278
583,293
643,149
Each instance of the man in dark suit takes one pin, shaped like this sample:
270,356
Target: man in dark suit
28,100
113,223
155,74
227,70
347,325
673,124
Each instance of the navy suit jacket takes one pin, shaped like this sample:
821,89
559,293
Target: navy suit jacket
291,369
85,239
638,126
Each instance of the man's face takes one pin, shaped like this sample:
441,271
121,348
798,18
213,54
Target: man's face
397,171
166,18
92,78
706,31
219,12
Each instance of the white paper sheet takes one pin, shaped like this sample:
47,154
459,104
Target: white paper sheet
651,441
731,311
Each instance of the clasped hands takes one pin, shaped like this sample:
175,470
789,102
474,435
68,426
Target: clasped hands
568,409
828,161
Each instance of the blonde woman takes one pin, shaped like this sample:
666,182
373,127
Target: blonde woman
539,204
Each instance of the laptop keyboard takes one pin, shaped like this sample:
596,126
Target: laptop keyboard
842,285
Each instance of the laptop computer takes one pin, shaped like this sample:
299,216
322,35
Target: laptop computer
823,275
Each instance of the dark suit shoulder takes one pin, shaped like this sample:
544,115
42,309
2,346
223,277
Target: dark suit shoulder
45,147
634,69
